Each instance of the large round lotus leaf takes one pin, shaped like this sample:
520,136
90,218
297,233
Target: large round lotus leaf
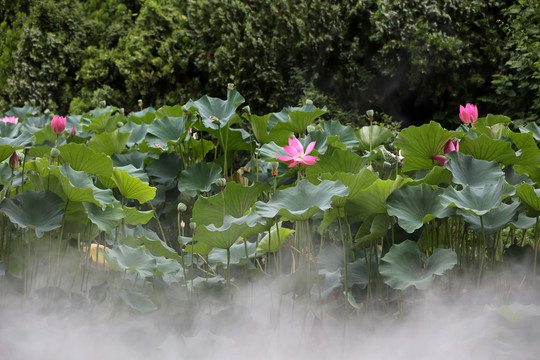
107,218
166,132
225,236
234,200
296,119
236,139
361,273
372,199
338,160
39,210
466,170
416,205
154,244
138,301
134,158
301,201
405,265
211,108
170,270
172,111
138,132
530,196
529,155
9,130
436,176
265,132
271,242
199,176
513,178
109,142
78,186
371,230
82,158
166,168
145,116
478,200
524,222
18,142
379,135
419,144
345,134
484,148
104,122
134,259
6,151
493,220
133,188
218,257
135,216
22,112
532,128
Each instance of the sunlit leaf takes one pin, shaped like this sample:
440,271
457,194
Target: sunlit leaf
109,142
215,112
82,158
379,134
133,188
107,218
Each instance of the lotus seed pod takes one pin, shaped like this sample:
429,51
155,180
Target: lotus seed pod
192,225
140,103
21,154
181,207
55,152
309,102
119,124
275,165
221,182
230,86
310,128
370,113
102,104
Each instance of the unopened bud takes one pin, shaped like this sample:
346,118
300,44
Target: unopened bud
192,225
102,104
230,86
275,165
119,124
370,113
140,103
13,160
247,109
181,207
72,132
310,128
55,152
309,102
221,182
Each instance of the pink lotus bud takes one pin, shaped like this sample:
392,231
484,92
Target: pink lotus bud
468,114
58,124
440,159
13,160
451,146
72,132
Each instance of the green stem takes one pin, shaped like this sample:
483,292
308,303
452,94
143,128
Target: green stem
481,251
536,241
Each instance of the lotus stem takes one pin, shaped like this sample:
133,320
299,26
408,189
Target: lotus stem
536,241
180,233
481,251
344,241
229,272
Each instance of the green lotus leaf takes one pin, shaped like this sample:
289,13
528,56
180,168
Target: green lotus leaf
296,119
229,233
524,222
166,131
436,176
201,148
320,138
361,274
105,122
371,230
466,170
236,139
271,151
78,186
138,301
531,197
491,120
134,158
109,142
133,259
154,244
379,134
513,178
223,110
135,216
218,257
301,201
234,200
199,176
532,128
82,158
9,130
76,220
133,188
270,242
171,111
416,205
338,160
105,219
19,142
372,199
493,220
484,148
170,270
419,144
6,151
38,210
405,265
345,134
354,182
166,168
145,116
529,157
264,132
478,200
22,112
137,132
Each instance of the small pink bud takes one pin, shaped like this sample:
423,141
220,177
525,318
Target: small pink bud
72,132
58,124
13,160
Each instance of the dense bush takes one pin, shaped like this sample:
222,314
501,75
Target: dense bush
413,59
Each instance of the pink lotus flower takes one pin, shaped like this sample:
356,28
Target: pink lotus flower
58,124
468,114
448,147
297,154
10,119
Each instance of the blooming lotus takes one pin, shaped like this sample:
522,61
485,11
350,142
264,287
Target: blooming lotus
297,153
468,114
10,119
58,124
448,147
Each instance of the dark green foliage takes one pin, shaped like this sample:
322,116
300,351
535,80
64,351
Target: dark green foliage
415,60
